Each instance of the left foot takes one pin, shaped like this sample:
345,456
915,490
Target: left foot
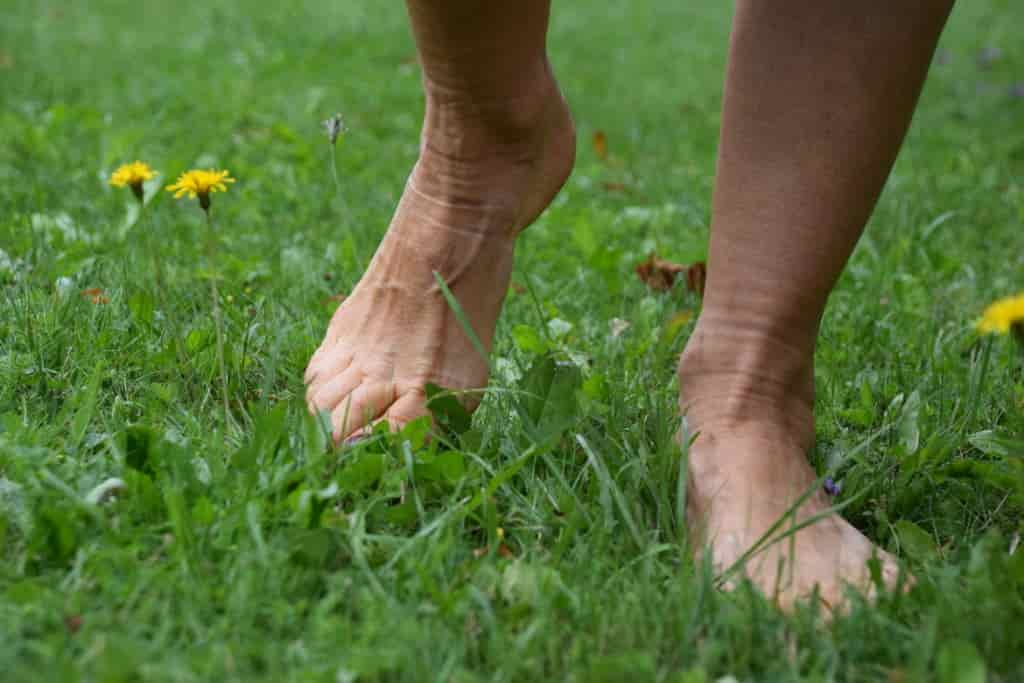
749,400
485,172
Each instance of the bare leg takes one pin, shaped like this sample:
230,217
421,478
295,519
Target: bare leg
497,144
818,97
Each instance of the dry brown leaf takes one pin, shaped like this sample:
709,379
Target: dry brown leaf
600,142
96,295
660,275
503,551
73,622
697,277
615,187
334,299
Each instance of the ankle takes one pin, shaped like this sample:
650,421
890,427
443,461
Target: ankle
473,126
733,376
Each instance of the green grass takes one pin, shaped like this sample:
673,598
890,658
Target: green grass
252,551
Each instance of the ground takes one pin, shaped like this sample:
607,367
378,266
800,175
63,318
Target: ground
542,540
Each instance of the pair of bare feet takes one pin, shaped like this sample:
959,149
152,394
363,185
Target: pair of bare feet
482,177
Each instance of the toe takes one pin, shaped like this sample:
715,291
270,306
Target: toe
312,368
329,394
407,408
361,407
404,410
893,575
327,365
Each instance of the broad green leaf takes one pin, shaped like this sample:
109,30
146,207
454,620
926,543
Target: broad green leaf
362,471
138,443
959,662
550,395
997,445
203,512
449,413
313,548
141,306
915,541
909,432
85,408
416,432
451,465
529,340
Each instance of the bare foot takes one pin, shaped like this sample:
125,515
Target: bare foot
750,400
485,172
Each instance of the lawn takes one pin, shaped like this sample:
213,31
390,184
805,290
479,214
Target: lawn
542,540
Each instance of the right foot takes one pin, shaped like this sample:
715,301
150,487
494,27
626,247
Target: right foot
485,172
748,397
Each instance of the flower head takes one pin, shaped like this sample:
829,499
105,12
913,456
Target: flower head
1002,316
334,127
832,488
199,183
132,175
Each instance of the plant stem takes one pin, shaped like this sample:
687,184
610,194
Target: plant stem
217,320
158,272
334,171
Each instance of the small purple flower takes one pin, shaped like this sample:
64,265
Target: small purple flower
989,56
832,487
1017,90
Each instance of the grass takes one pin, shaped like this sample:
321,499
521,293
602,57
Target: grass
541,541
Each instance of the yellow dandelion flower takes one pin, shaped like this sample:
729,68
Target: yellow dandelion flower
1002,316
199,183
132,175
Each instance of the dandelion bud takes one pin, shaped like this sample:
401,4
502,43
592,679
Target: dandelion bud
334,127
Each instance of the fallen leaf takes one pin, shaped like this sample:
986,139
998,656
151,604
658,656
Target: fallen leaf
696,277
518,288
334,299
73,622
660,275
896,676
96,295
600,142
615,187
503,551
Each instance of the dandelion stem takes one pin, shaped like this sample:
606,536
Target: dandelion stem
334,173
218,319
147,226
